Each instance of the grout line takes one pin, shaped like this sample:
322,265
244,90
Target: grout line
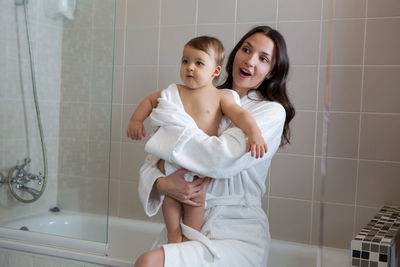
235,22
360,121
316,121
196,18
158,47
122,103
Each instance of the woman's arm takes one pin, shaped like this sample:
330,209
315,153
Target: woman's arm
154,185
223,156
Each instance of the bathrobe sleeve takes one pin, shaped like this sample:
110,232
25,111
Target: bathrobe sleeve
223,156
148,194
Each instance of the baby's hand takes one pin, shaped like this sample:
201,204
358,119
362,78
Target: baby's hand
136,130
257,146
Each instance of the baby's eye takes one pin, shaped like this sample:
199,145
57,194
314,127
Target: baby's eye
185,61
199,63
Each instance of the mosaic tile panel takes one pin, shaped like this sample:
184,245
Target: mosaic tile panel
375,244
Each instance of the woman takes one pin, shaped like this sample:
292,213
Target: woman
235,230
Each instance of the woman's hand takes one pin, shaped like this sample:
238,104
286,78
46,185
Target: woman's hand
176,187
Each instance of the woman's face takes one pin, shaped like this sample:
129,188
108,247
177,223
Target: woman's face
253,63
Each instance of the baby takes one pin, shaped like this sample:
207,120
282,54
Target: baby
201,63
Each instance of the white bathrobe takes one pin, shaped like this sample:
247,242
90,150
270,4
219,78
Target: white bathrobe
235,230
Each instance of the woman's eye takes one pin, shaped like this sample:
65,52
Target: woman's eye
245,49
264,59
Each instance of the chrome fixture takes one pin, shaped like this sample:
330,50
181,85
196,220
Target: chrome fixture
17,179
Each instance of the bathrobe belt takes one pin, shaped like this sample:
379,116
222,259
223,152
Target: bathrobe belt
245,200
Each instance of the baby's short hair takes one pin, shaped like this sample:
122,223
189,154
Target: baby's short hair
207,43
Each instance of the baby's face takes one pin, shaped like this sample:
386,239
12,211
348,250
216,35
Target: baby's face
198,69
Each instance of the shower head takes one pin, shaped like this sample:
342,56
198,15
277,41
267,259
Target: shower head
21,2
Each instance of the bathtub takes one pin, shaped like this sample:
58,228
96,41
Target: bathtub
127,239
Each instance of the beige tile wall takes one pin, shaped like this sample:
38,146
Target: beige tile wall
363,149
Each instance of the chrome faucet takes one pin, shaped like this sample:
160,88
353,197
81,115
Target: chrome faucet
19,176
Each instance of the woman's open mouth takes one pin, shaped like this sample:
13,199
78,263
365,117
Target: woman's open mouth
244,73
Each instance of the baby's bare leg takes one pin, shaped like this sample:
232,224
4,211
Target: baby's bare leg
193,216
172,216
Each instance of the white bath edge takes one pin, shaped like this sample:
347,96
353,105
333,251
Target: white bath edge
62,253
54,240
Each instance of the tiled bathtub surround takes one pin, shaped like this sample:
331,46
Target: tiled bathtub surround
375,245
363,159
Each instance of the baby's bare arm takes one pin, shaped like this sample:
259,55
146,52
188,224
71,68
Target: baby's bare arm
247,123
135,128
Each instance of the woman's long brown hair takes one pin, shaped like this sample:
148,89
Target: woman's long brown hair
273,88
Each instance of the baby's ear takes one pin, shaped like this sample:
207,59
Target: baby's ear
217,71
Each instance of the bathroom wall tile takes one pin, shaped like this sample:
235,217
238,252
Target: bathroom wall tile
340,181
345,88
115,163
3,257
289,219
242,29
376,142
143,12
75,84
74,120
265,205
302,87
127,111
299,10
120,13
101,84
141,47
378,184
116,128
102,46
293,182
132,158
222,11
375,52
15,149
304,37
363,216
73,157
342,135
46,262
347,42
168,75
103,14
118,84
256,11
130,205
119,46
171,12
15,120
380,92
20,259
140,81
100,122
84,195
76,48
83,15
390,8
223,32
48,86
303,131
345,9
172,40
114,197
338,225
99,160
